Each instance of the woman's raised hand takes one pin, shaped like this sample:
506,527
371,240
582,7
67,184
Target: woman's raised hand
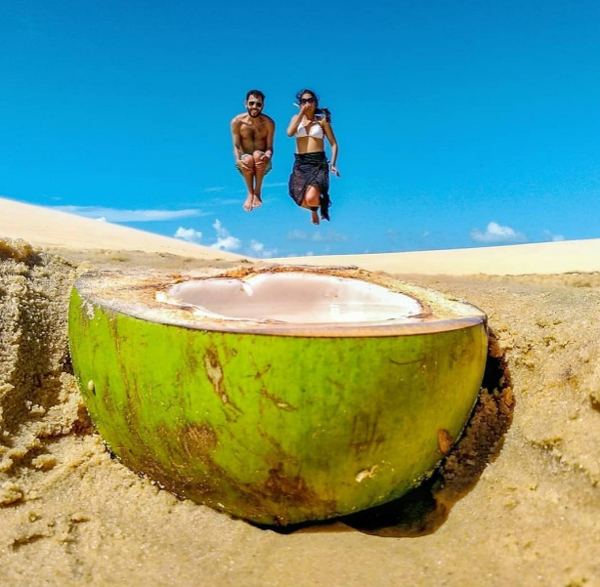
304,108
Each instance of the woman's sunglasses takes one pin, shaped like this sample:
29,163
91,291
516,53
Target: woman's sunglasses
307,100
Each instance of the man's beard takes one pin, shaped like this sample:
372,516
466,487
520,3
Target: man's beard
253,115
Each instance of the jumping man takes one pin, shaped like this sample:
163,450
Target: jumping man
253,133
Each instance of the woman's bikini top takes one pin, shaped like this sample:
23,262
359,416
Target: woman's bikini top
315,131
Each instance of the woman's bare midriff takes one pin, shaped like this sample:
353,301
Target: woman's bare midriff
309,145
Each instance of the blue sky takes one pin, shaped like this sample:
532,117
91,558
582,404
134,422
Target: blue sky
460,123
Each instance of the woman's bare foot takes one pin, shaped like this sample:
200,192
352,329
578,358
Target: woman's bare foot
248,203
315,217
256,201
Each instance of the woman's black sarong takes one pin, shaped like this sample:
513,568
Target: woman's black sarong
311,169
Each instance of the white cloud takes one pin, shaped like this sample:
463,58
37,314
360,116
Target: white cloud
188,234
258,250
328,237
117,215
495,233
316,237
297,235
553,237
225,241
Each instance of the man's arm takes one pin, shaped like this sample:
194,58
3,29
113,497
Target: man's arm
270,138
237,139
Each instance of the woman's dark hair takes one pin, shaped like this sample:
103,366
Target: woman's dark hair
324,111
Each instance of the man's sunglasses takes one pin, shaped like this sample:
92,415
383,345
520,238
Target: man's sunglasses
257,104
307,100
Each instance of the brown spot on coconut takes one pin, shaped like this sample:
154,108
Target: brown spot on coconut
445,441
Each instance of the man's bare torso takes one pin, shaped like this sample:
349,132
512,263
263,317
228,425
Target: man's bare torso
253,132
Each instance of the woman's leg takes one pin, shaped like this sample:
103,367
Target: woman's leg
312,199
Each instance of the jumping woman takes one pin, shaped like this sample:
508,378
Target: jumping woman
309,181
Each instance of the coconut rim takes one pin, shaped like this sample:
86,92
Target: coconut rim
135,294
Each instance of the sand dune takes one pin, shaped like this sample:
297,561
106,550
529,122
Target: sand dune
517,502
542,258
53,229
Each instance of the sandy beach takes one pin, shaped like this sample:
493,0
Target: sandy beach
517,502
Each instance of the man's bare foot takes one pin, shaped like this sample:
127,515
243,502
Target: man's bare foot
248,203
256,201
315,217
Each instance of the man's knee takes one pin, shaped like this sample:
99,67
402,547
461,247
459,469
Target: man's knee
247,167
258,158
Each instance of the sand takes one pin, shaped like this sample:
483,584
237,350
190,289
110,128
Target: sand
516,503
54,230
539,258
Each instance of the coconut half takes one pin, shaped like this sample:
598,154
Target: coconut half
276,394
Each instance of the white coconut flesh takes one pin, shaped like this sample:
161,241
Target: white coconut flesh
295,298
334,302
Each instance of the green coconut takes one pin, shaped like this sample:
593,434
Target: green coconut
276,394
